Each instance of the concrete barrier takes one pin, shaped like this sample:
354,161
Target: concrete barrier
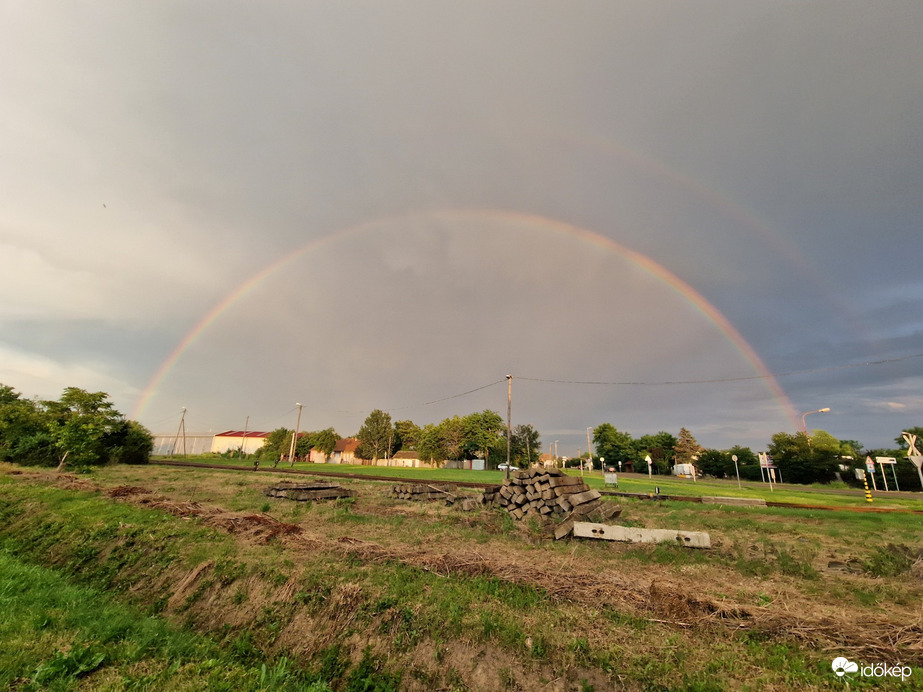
630,534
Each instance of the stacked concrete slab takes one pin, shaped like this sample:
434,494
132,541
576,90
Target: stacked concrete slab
552,494
420,492
317,490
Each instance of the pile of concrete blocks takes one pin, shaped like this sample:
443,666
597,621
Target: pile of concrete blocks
420,492
552,494
310,490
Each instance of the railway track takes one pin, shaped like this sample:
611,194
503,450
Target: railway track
471,484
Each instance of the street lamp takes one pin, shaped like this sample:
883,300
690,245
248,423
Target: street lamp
291,451
804,424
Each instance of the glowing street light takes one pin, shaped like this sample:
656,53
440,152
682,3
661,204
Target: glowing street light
804,424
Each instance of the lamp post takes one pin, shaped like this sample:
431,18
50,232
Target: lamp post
804,423
291,452
589,449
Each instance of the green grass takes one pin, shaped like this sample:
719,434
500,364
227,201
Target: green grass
833,494
57,635
111,547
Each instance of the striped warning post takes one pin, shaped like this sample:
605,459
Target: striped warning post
868,493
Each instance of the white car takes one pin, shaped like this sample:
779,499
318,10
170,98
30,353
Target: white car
502,467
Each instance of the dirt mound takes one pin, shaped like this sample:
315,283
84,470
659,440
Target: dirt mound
126,490
261,527
68,481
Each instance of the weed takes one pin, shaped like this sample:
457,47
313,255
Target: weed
78,661
265,507
227,571
793,566
368,676
889,561
580,647
333,664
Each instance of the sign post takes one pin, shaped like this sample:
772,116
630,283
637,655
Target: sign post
766,462
893,462
736,470
913,454
870,466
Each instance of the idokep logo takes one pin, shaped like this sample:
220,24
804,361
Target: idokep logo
843,666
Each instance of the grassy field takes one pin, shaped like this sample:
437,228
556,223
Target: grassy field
629,483
372,593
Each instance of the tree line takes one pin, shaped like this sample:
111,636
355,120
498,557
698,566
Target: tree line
480,435
79,429
799,457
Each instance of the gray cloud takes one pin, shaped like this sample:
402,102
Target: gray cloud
153,159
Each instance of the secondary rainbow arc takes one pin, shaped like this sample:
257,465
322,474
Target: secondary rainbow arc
645,263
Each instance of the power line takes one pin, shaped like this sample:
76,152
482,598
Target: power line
434,401
728,379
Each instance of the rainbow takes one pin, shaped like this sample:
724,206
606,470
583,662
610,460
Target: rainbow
654,269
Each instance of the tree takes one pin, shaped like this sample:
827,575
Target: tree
431,446
25,436
83,422
406,435
748,463
131,443
276,443
452,437
612,445
851,448
715,463
686,448
659,448
375,436
82,428
525,445
482,431
822,440
324,440
801,462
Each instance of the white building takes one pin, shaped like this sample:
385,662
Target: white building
249,441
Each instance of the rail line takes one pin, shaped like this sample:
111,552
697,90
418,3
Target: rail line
472,484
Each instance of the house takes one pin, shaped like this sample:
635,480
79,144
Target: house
547,460
315,456
249,441
344,452
408,459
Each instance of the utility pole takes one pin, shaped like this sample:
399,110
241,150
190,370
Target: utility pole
243,440
509,411
589,450
182,426
291,453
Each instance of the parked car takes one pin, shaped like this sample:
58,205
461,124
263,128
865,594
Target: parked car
502,467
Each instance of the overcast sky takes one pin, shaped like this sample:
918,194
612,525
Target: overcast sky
237,206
